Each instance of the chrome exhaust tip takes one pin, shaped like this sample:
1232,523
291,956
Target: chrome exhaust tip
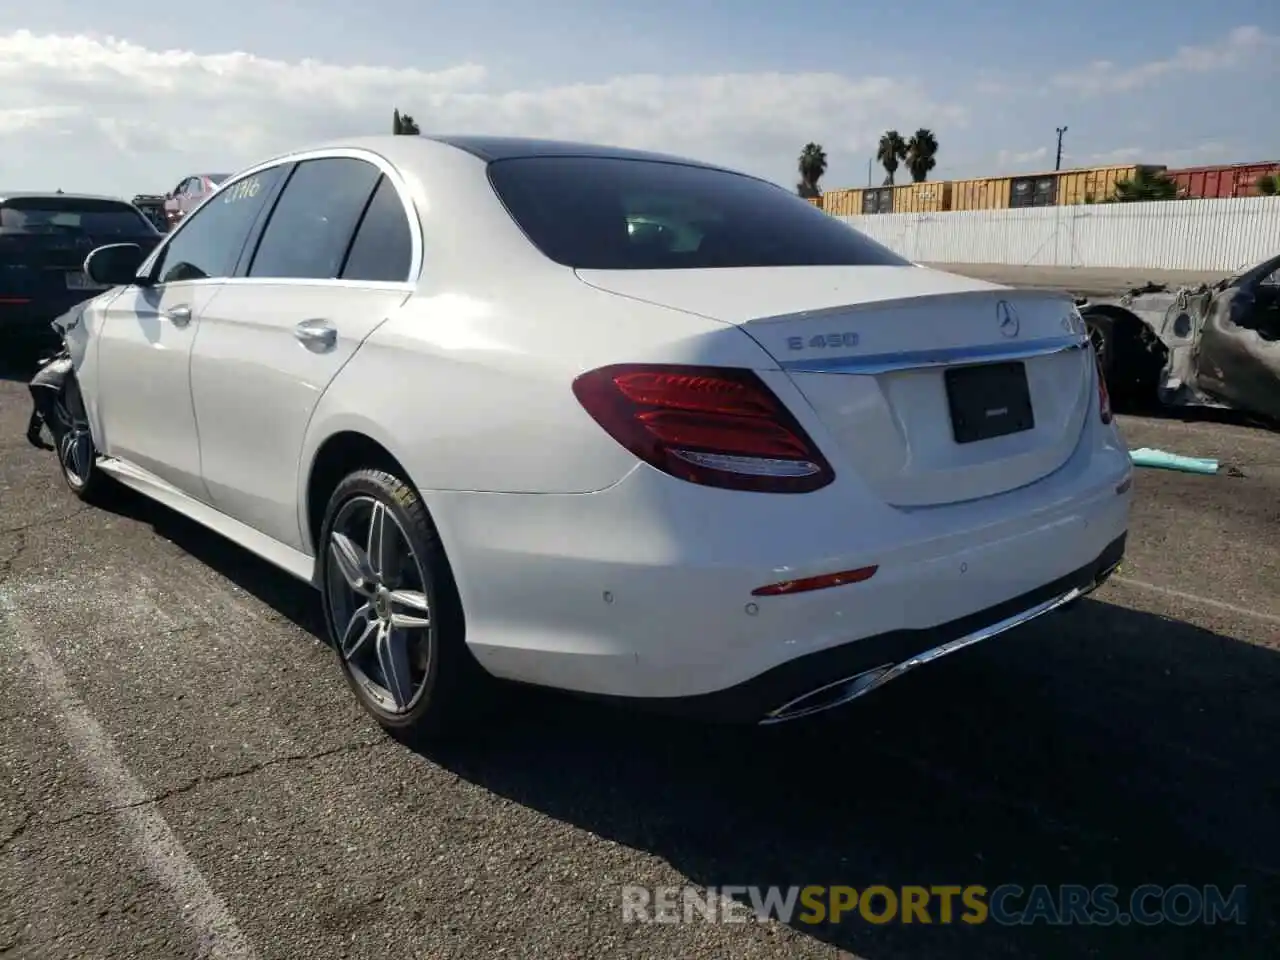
830,696
837,694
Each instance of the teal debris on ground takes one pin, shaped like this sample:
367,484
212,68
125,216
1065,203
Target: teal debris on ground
1163,460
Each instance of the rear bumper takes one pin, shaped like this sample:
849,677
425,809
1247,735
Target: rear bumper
837,675
644,591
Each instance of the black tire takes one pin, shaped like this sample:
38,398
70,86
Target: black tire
73,442
453,687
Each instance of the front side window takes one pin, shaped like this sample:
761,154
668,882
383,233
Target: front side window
209,241
311,226
607,213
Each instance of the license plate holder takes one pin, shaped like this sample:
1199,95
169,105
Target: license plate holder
988,401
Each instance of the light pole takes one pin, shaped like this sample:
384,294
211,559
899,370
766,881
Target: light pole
1057,164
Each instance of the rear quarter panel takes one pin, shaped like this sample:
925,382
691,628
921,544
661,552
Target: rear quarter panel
475,393
469,383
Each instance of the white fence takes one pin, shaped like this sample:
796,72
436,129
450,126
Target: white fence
1167,235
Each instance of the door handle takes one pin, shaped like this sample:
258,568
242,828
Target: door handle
316,334
180,316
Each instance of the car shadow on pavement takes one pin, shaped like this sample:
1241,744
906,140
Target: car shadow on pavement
1100,745
272,586
1229,417
18,367
20,359
1103,746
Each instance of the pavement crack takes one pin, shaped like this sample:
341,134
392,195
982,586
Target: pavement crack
16,832
46,521
253,768
188,785
6,563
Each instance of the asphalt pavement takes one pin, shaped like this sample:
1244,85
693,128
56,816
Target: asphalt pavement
183,772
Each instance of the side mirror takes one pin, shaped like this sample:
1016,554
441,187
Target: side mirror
115,264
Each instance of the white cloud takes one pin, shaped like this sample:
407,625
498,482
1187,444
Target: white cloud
1240,46
18,119
140,118
1209,152
1019,158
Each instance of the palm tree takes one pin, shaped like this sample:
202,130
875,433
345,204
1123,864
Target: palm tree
921,154
404,124
813,164
891,150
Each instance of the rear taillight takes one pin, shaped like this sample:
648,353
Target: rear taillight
1104,398
709,425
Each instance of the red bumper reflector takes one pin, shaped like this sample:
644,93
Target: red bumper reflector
15,299
815,583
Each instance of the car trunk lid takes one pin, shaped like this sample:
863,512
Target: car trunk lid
935,388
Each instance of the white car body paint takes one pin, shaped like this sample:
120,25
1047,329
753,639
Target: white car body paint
578,565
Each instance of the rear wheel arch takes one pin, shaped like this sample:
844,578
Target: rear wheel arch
339,456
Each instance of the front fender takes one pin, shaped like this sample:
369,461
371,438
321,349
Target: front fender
80,329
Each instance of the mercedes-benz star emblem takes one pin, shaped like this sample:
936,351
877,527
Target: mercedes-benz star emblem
1007,317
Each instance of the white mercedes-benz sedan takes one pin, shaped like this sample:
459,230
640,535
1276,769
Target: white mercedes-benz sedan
606,421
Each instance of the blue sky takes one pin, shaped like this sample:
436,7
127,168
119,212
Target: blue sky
744,83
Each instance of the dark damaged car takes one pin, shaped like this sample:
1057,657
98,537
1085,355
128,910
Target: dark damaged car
44,240
1213,345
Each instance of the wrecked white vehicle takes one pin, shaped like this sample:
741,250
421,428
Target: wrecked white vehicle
1207,346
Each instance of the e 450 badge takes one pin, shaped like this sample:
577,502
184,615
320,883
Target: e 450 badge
824,341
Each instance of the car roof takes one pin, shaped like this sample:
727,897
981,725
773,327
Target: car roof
490,149
54,195
398,149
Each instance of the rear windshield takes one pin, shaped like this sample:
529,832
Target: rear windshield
612,214
54,214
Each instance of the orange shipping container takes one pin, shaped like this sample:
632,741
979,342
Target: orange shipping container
1096,184
984,193
926,197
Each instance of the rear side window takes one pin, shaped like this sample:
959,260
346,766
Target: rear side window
209,241
613,214
312,223
383,246
95,218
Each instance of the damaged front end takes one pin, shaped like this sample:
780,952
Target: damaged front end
1205,346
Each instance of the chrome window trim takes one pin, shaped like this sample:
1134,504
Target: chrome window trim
322,153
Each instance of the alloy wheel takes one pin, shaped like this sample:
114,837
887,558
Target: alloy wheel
378,604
